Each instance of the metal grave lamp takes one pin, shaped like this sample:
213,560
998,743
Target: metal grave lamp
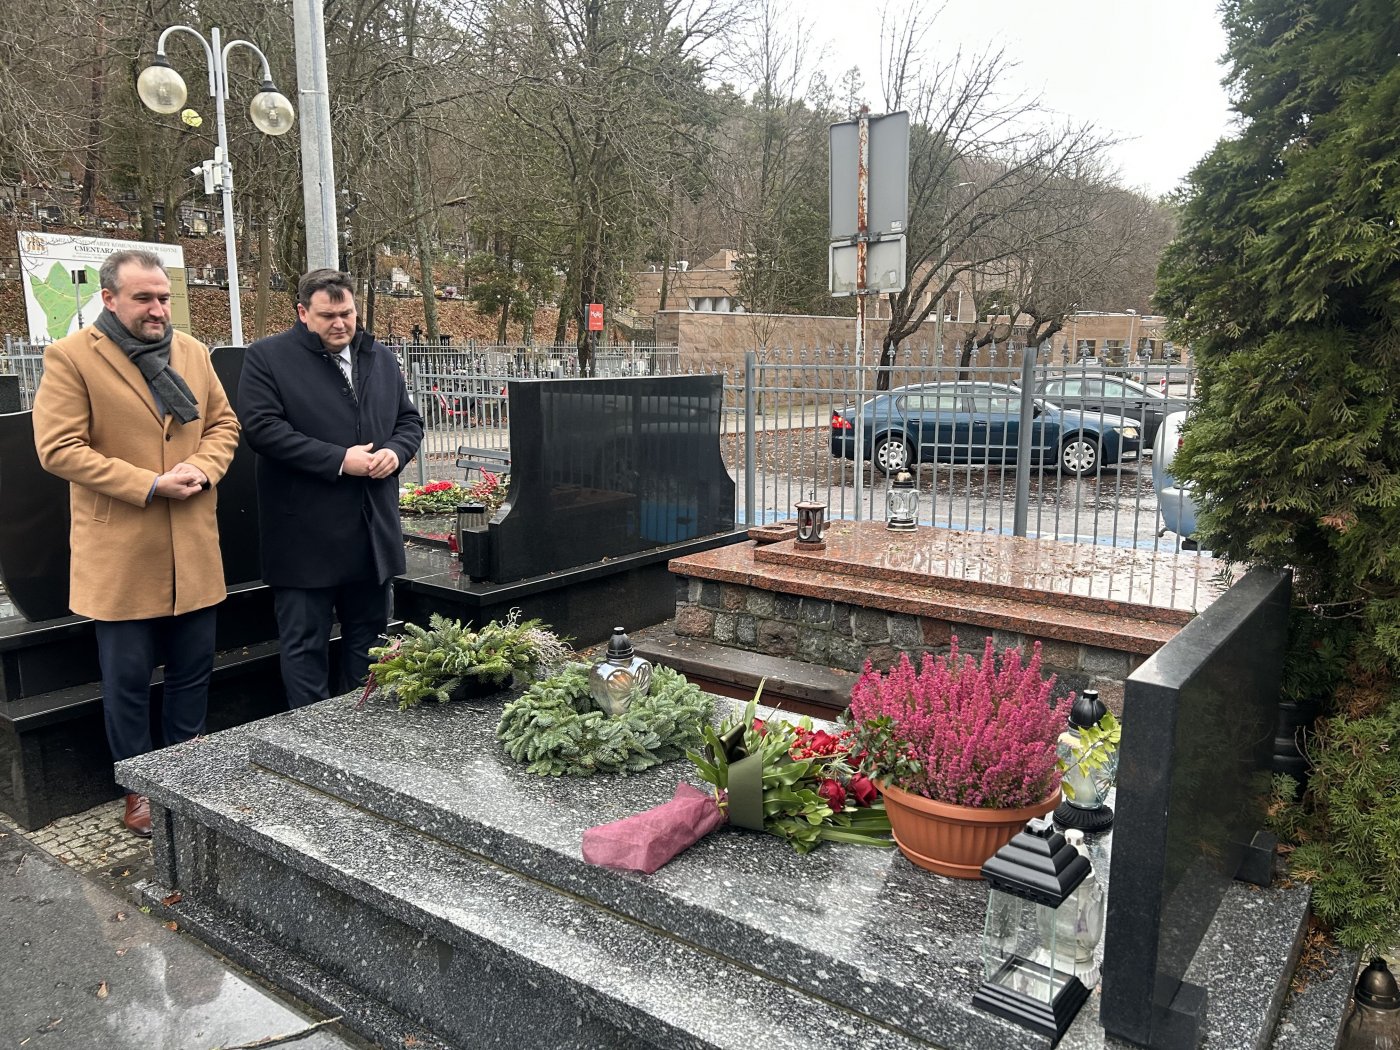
1028,953
1089,760
1374,1021
811,525
620,677
902,503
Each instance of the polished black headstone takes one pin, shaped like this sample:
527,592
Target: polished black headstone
9,395
602,468
238,494
33,525
1193,783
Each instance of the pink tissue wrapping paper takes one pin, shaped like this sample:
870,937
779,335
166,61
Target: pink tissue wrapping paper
647,840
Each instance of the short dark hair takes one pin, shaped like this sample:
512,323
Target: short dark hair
334,283
107,276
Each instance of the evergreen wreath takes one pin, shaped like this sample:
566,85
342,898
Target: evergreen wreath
556,729
430,663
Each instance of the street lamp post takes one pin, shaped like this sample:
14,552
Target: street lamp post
162,90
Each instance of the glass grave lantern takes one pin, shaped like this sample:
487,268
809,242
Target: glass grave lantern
1085,804
620,677
902,503
1374,1021
1029,948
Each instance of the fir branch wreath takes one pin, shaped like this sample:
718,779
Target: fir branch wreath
432,662
555,728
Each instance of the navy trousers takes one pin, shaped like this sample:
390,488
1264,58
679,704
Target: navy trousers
304,618
129,651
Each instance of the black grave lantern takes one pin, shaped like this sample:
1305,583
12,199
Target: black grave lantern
1028,954
1374,1021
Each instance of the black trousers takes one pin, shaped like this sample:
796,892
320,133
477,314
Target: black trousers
304,618
129,651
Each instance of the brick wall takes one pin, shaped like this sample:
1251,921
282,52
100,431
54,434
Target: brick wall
836,634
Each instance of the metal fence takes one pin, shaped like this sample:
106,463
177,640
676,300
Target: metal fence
778,440
26,360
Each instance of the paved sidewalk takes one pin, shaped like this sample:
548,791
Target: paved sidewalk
87,969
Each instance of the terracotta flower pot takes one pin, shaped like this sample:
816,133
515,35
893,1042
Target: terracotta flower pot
954,840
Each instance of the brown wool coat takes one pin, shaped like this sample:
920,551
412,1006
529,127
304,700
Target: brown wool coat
96,426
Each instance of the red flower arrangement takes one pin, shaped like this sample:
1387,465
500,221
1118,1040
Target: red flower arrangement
968,732
436,497
792,781
490,491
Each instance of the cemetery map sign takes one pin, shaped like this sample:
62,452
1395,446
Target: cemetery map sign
57,305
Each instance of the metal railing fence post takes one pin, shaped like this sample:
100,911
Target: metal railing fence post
1023,443
750,362
423,445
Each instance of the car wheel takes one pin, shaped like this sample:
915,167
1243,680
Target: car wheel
1080,455
891,455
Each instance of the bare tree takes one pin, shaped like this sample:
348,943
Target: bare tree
617,89
983,174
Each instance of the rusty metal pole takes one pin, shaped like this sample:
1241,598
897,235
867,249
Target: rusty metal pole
862,245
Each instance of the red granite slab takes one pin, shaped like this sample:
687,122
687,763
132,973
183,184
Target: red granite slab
870,573
1153,585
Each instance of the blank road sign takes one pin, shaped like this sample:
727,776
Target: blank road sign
884,267
888,201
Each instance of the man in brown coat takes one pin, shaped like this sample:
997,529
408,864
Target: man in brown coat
132,416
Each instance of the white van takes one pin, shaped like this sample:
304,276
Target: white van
1174,501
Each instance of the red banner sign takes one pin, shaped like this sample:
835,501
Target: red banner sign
595,317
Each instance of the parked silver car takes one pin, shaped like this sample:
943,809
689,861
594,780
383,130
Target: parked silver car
1090,392
1175,502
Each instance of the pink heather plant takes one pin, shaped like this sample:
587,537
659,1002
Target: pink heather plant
974,734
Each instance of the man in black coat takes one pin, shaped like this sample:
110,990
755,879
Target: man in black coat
324,406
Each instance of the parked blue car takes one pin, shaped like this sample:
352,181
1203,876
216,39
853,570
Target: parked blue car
979,423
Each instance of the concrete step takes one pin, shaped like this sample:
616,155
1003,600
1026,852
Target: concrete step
793,685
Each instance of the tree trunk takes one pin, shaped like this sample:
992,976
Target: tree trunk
94,143
371,292
665,276
264,275
418,202
889,349
172,214
505,306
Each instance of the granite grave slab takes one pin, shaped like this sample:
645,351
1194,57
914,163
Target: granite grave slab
398,861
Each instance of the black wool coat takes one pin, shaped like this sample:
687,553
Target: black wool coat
321,528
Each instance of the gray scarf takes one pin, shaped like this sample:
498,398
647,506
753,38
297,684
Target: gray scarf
154,361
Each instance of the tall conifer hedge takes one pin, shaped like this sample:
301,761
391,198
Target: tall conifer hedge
1285,281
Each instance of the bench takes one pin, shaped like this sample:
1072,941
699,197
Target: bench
495,460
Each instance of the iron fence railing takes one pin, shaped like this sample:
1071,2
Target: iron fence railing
26,360
778,440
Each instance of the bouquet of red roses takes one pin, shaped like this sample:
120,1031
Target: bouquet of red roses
792,781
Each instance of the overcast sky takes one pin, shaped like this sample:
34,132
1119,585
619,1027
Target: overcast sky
1146,70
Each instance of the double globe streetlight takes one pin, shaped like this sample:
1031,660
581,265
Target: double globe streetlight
162,90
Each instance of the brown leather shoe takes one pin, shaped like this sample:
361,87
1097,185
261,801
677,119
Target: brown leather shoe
138,815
